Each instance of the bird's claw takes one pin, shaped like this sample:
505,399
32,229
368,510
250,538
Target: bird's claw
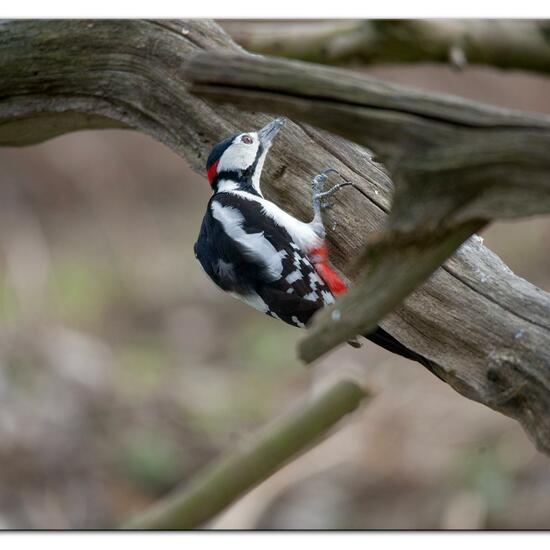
332,190
320,197
319,182
320,179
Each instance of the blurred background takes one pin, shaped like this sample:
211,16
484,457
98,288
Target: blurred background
123,370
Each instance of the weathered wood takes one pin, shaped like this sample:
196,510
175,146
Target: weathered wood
486,329
504,43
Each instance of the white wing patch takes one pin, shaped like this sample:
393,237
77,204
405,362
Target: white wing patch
254,244
302,233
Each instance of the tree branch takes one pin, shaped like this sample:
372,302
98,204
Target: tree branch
487,330
252,461
507,44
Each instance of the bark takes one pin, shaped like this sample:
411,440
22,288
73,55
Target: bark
486,329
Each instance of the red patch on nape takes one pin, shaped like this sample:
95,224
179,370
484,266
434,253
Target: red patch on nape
212,171
319,257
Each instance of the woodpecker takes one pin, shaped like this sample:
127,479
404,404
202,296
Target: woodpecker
262,255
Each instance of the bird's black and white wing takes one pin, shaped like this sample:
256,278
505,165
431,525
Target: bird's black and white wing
247,253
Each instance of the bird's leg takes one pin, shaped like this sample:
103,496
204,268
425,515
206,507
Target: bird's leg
319,197
318,254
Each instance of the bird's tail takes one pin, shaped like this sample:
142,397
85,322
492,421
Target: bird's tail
385,340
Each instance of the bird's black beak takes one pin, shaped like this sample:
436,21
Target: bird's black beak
268,132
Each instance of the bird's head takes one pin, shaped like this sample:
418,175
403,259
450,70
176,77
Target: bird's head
237,162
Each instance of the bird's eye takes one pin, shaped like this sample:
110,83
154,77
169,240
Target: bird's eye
246,139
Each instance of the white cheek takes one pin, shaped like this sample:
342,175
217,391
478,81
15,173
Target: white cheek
238,157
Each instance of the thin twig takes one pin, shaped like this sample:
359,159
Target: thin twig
251,462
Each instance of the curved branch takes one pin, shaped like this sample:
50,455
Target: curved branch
506,44
486,329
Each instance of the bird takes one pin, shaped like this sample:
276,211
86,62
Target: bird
261,254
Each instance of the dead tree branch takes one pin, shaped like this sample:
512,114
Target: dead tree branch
486,329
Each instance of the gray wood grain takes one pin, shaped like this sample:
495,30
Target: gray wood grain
486,329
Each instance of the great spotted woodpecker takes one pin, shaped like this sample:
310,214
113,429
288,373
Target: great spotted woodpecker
259,253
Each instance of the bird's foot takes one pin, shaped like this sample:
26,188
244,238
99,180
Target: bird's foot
319,196
327,194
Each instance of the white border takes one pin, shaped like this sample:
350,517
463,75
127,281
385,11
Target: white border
276,9
274,540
